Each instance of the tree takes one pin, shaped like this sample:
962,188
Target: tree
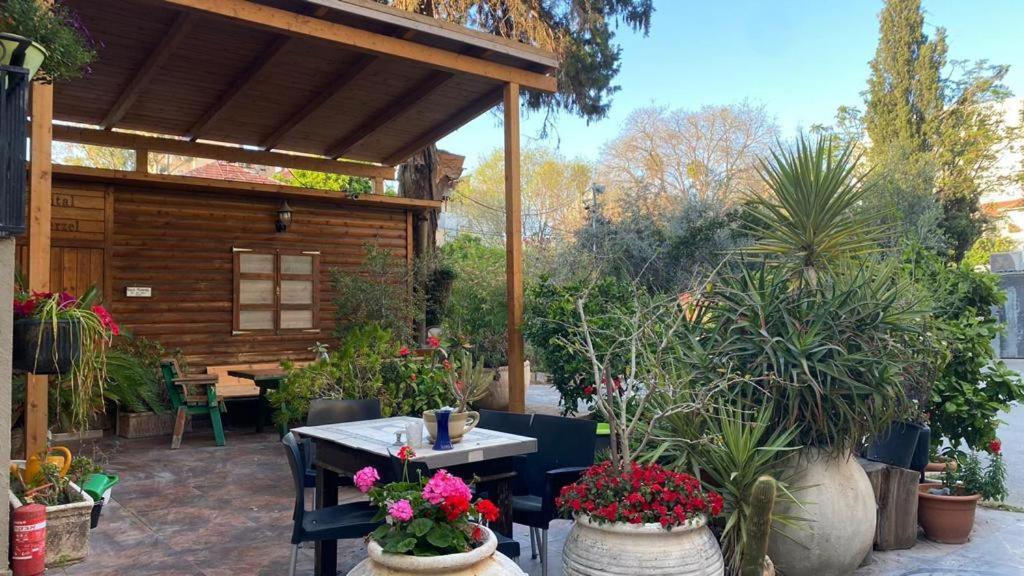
553,191
951,118
708,155
580,32
325,181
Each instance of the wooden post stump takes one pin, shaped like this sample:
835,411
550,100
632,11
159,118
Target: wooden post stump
896,496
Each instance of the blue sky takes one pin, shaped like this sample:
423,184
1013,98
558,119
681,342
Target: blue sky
800,58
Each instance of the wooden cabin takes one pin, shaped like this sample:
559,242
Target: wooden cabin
340,86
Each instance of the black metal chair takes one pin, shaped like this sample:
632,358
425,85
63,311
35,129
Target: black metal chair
341,522
333,411
508,422
506,545
565,448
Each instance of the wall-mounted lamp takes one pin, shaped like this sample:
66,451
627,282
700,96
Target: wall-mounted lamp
284,217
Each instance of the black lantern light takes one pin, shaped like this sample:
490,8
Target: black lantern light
284,217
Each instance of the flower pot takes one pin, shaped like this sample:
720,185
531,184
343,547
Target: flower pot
459,423
620,549
497,392
945,519
484,560
20,51
896,445
838,503
67,528
919,461
41,350
147,424
940,466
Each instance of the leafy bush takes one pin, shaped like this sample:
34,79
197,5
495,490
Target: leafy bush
69,49
377,293
552,326
413,385
973,387
477,314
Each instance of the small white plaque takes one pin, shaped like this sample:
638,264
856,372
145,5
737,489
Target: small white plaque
138,292
476,455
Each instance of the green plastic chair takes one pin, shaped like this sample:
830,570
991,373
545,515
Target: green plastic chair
191,395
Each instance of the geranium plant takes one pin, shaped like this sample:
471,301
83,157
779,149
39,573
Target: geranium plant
645,494
970,477
428,517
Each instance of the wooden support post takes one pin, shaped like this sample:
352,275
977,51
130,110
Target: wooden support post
514,252
142,160
896,496
39,206
378,186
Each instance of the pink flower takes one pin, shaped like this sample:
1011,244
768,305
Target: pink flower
66,300
443,485
106,319
365,478
401,511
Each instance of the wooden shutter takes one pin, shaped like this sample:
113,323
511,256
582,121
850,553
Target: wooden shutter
276,291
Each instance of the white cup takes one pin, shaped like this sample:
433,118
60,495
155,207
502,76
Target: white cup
414,434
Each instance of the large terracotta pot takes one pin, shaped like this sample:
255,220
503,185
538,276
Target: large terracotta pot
497,392
621,549
946,519
839,504
482,561
459,423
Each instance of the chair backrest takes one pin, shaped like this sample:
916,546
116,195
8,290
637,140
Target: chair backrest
508,422
561,442
331,411
297,463
170,370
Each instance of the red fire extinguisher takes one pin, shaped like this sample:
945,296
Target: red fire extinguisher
28,549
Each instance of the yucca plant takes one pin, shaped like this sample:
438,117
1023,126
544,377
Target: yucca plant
808,220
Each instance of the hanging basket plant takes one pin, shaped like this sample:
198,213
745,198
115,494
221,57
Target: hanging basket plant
47,38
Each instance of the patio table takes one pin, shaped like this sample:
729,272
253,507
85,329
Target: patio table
346,448
265,379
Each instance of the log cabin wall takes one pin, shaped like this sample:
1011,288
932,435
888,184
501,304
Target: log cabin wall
179,244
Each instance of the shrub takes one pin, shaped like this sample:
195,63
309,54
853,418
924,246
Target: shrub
477,314
377,292
69,49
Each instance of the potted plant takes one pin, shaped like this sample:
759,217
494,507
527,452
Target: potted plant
53,330
44,35
632,517
431,527
68,507
946,511
467,382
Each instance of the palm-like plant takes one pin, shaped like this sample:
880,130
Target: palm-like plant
808,219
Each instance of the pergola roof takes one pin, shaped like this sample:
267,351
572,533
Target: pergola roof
337,78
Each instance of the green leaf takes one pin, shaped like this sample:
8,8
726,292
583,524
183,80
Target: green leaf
400,546
421,526
440,535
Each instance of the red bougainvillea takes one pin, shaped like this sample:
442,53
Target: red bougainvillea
645,494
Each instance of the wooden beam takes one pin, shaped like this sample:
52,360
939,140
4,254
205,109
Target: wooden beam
39,206
218,152
460,118
391,112
514,252
191,183
365,41
263,62
182,24
324,96
141,160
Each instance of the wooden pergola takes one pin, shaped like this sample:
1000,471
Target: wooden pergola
340,86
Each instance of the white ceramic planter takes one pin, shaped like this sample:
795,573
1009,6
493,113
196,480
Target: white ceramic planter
840,507
482,561
67,529
620,549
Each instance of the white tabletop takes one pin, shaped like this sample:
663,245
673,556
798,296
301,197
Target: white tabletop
378,437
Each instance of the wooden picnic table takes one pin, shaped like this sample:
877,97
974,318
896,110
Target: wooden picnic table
348,447
265,379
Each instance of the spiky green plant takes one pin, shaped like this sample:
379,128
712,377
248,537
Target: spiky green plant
808,219
758,526
469,381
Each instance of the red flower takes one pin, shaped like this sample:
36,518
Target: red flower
588,390
995,446
433,341
406,453
478,534
404,351
447,365
488,510
24,308
106,319
455,506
